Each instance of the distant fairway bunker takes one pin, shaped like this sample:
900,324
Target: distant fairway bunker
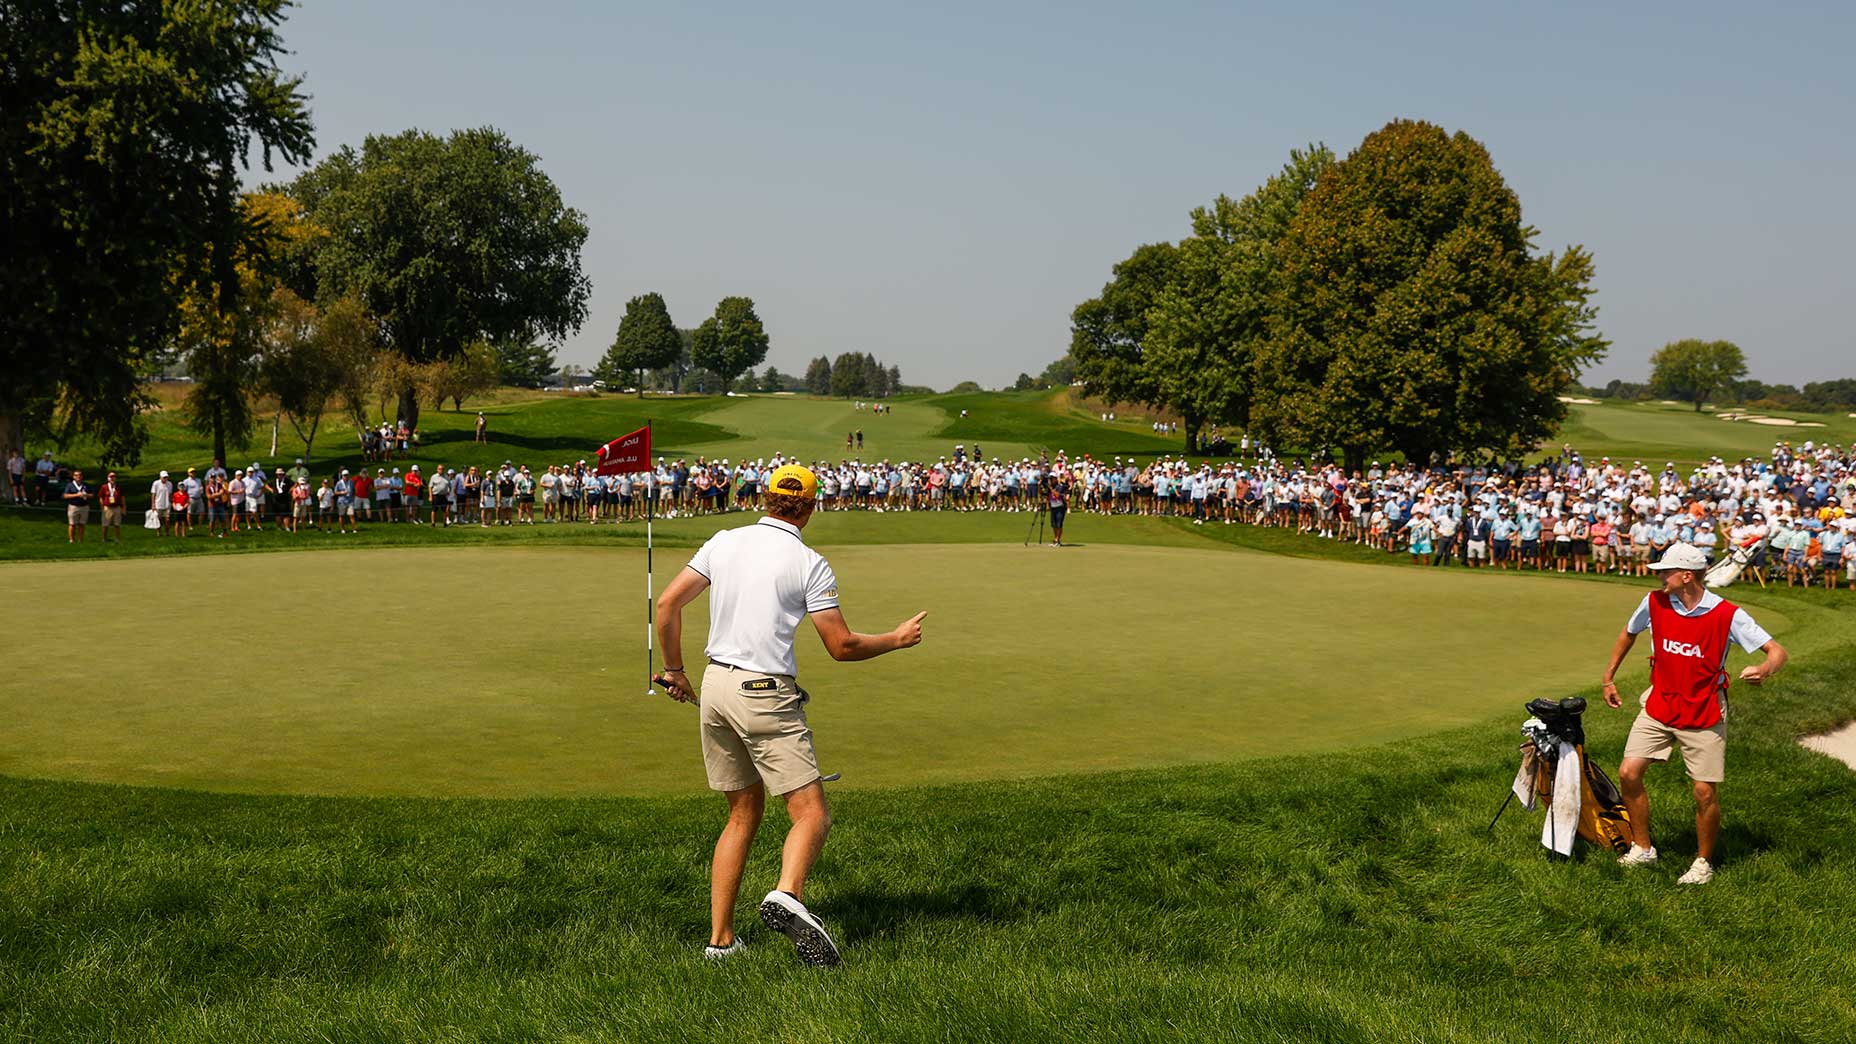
519,671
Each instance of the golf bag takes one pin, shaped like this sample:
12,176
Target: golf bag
1729,568
1554,766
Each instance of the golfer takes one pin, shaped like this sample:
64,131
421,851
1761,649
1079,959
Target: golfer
753,719
1685,706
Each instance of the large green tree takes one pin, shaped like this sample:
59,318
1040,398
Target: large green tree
1411,311
1694,370
450,241
1206,323
124,131
1108,333
850,375
524,362
731,342
647,340
818,376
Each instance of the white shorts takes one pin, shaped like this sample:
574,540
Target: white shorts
1478,549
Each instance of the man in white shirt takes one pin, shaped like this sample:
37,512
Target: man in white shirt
762,580
161,498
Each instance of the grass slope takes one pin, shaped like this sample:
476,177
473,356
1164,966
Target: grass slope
1655,433
1319,898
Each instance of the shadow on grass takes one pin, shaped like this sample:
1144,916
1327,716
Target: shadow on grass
868,913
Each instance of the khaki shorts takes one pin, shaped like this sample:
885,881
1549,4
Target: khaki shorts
112,516
754,736
77,515
1704,751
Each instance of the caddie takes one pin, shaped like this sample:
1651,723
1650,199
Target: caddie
762,580
1685,706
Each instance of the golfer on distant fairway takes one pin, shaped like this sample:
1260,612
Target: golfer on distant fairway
753,719
1686,704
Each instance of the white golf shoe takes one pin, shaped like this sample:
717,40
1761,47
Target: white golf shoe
1699,872
722,953
788,916
1638,856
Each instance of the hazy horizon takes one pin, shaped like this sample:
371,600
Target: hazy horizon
940,187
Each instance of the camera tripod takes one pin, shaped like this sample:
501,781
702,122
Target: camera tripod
1037,522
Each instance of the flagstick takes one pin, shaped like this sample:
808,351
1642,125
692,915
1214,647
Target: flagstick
650,599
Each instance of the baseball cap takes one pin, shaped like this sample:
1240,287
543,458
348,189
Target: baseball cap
794,480
1682,556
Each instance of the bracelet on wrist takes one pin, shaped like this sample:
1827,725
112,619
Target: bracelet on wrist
679,670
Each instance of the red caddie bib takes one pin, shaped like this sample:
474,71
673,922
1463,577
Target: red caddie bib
1688,657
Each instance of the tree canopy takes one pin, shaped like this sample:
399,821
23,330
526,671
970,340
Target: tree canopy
1696,371
647,340
449,241
731,342
124,129
1409,309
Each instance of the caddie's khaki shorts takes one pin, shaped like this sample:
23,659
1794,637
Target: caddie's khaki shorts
1704,751
754,731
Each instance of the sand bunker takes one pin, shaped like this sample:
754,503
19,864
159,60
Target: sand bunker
1840,744
1578,402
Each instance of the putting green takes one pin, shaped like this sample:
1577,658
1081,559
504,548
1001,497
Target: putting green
517,671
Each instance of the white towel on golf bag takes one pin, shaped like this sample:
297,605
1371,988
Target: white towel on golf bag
1525,778
1562,824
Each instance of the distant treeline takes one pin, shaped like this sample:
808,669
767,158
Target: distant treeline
1816,397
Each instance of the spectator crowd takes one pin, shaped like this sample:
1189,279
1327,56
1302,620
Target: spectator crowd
1792,514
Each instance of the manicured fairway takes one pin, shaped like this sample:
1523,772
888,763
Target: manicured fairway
1655,433
517,671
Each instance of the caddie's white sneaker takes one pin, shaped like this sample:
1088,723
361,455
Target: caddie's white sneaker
1699,872
722,953
789,917
1638,857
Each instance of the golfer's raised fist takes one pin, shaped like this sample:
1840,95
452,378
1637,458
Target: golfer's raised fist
910,633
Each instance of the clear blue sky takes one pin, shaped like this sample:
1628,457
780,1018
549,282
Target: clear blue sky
939,184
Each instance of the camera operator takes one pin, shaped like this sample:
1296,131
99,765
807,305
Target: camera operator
1057,495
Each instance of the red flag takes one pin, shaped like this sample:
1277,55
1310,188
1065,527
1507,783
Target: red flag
626,453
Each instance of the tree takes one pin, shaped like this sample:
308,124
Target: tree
1059,374
671,378
479,369
731,342
965,387
308,356
1207,321
1025,382
1410,311
1108,334
124,132
647,340
524,362
818,376
1695,371
878,377
850,375
450,241
1839,394
775,381
227,312
895,380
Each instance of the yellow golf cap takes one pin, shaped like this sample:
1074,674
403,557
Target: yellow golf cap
794,480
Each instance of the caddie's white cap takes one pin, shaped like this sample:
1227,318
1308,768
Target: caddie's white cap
1682,556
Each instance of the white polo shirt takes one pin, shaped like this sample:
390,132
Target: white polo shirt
763,580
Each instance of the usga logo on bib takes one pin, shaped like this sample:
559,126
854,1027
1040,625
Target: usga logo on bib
1675,648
